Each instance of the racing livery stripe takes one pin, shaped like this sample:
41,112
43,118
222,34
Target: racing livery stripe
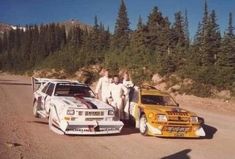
87,103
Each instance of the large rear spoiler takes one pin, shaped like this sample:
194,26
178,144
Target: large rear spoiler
38,82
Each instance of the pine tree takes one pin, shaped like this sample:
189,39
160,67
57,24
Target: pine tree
158,33
5,41
214,38
122,31
178,42
186,28
140,23
226,55
208,39
1,47
178,33
230,26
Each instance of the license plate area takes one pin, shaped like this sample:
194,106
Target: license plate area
179,134
176,129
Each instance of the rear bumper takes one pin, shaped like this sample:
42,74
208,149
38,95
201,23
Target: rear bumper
193,133
91,127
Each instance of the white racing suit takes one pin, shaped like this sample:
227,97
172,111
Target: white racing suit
117,91
129,86
103,86
133,102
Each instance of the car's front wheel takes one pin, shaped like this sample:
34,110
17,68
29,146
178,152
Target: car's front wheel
50,121
51,126
143,125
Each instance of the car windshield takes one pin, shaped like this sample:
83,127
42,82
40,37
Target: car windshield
73,89
158,100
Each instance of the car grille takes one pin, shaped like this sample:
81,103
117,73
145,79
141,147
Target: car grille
94,119
177,113
94,113
178,118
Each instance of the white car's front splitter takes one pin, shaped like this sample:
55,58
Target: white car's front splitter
91,127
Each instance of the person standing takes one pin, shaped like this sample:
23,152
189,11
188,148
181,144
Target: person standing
118,92
102,86
127,82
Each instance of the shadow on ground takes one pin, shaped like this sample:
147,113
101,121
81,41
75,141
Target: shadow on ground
209,130
179,155
39,122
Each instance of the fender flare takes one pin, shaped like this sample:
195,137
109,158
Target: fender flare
52,106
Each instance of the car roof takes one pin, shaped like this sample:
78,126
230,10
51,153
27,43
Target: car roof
61,81
153,92
67,82
150,90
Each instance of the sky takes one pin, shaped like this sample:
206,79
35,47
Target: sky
22,12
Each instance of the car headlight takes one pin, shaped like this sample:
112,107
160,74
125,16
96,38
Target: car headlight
70,112
151,115
194,119
110,112
161,118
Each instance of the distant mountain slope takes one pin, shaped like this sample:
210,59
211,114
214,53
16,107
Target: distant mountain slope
7,27
75,23
4,27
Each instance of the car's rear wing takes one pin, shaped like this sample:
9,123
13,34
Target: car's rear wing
38,82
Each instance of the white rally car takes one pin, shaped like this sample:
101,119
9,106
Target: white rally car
72,108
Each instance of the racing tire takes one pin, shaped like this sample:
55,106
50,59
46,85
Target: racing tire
50,121
143,125
35,109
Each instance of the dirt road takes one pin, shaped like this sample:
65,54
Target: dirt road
23,136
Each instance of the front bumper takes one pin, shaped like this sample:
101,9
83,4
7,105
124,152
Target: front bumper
91,127
190,133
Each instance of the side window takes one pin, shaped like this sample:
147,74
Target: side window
45,88
50,89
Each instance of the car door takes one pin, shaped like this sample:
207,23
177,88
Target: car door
48,97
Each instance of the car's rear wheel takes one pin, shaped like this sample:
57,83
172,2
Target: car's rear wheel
143,125
35,109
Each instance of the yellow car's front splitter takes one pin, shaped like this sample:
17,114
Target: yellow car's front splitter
189,134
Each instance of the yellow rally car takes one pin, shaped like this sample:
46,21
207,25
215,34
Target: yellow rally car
156,113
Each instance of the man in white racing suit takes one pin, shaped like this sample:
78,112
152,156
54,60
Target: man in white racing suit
118,92
103,86
127,82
